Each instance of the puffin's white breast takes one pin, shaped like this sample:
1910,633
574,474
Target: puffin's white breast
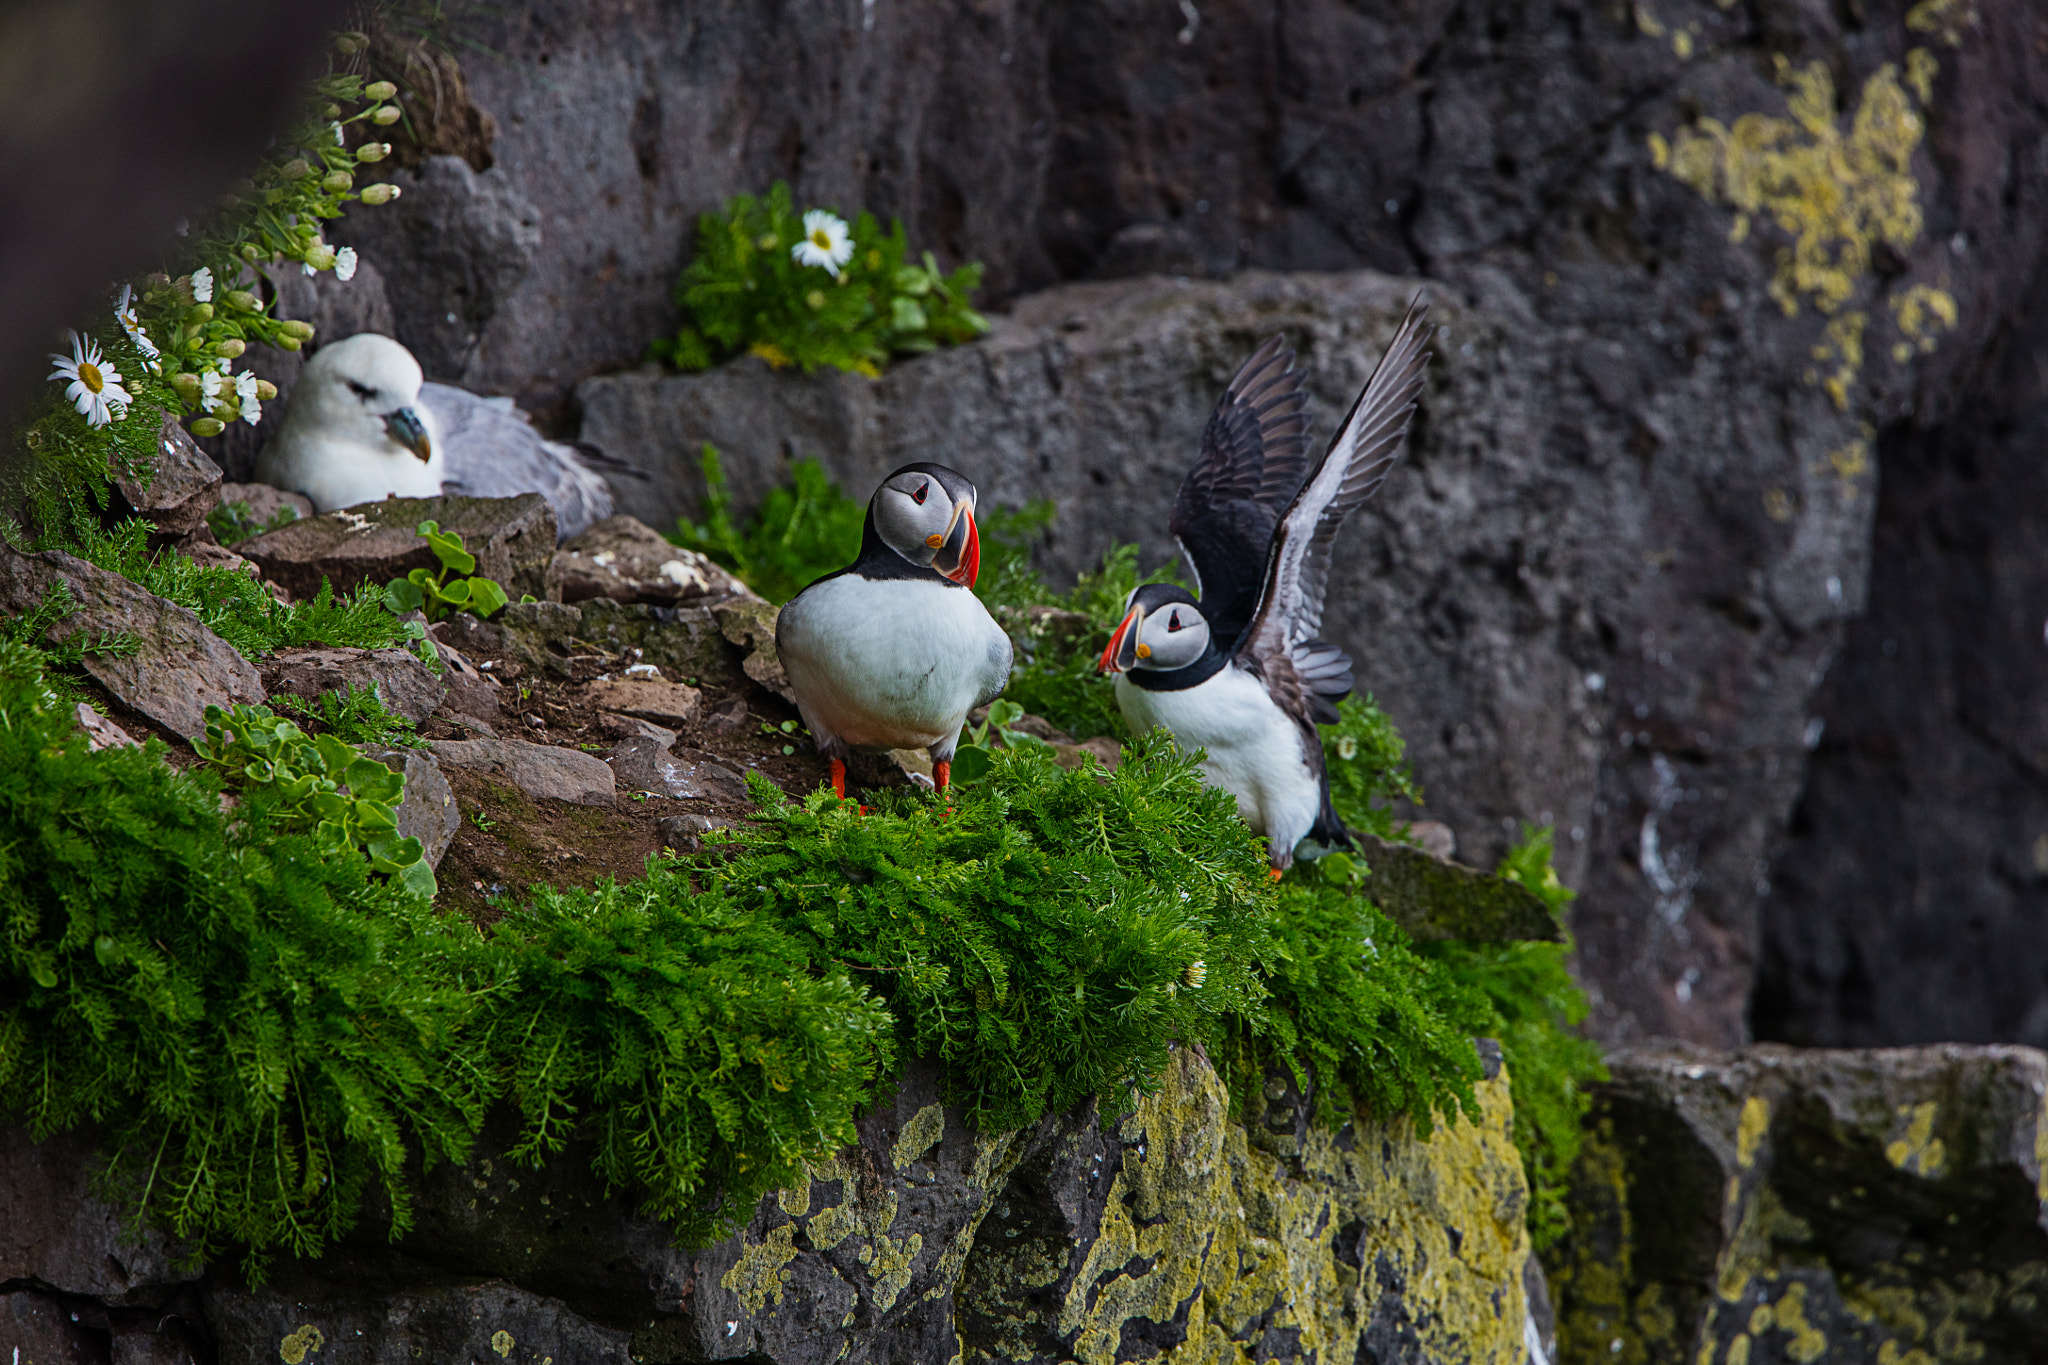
891,663
1254,750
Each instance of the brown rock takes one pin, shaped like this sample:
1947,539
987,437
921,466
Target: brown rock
405,685
633,727
750,624
685,833
642,764
1102,749
670,703
1435,838
265,502
512,538
202,549
179,667
471,692
539,770
46,1327
628,561
102,733
53,1231
175,490
428,813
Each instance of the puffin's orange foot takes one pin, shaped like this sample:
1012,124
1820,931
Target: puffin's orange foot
942,773
838,778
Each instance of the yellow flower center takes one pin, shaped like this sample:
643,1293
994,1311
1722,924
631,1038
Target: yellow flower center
822,240
89,375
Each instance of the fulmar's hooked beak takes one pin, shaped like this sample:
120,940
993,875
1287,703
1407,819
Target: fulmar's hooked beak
405,427
1121,655
959,556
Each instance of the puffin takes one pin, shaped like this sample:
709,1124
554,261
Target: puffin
894,650
361,425
1237,671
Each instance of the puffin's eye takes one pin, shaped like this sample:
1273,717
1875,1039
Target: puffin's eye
1173,622
918,496
361,390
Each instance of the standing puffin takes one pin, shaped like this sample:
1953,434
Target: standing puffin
1238,672
893,651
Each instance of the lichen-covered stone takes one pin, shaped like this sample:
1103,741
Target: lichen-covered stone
1435,898
1882,1207
685,643
513,540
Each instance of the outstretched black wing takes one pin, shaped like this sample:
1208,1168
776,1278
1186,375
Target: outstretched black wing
1304,675
1254,456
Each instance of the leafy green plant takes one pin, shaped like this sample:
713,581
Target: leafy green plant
233,522
1533,1007
260,1031
319,785
802,531
55,665
699,1041
1367,763
436,593
355,715
813,290
235,606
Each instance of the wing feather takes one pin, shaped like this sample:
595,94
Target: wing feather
1290,608
494,452
1254,455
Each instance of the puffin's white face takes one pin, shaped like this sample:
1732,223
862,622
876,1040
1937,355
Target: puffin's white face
919,518
369,385
1158,632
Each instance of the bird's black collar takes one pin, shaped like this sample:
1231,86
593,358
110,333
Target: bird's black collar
1180,679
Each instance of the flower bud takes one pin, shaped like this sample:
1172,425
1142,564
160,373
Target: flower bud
288,343
251,252
349,44
373,151
331,111
243,300
298,168
208,426
298,331
384,115
338,182
265,390
379,90
186,386
199,312
380,193
231,349
320,257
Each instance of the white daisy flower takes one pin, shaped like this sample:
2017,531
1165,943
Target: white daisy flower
94,386
202,284
826,242
345,264
245,390
209,389
124,313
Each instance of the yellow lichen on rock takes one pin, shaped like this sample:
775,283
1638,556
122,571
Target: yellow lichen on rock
1917,1149
1750,1129
759,1275
1839,192
296,1346
1230,1233
926,1127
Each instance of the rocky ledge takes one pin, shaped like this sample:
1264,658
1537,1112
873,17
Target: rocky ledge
1174,1229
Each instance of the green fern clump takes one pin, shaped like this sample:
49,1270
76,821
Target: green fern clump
745,291
1046,938
263,1032
696,1040
1532,1008
355,715
1358,1017
802,531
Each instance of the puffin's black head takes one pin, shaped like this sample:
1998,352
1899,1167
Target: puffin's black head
1163,629
925,513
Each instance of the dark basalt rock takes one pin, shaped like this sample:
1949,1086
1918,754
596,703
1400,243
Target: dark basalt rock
174,490
1854,1207
1433,898
404,683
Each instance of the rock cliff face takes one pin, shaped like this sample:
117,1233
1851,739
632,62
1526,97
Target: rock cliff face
1171,1229
1721,262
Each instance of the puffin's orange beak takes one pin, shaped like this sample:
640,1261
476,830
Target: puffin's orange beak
959,558
1122,650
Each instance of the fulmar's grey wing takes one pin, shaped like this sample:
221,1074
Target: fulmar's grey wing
492,451
1304,674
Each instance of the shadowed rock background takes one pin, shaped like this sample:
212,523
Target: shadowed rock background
1713,547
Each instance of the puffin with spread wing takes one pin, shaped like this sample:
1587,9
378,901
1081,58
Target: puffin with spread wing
1238,671
894,650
